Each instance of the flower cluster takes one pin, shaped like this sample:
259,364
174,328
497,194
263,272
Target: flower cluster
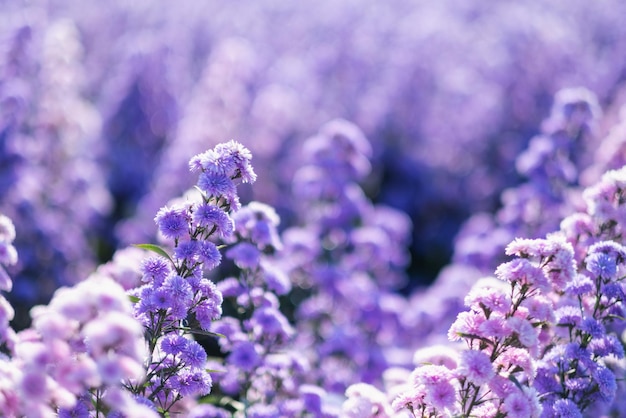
175,299
260,368
542,338
346,259
82,352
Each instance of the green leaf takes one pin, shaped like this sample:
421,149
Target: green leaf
513,379
156,249
133,299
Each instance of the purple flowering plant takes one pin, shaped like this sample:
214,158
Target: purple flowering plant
542,337
175,299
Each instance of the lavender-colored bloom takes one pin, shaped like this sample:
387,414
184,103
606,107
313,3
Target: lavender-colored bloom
161,298
593,327
172,222
517,405
80,410
210,216
155,268
258,222
607,385
193,354
613,291
270,322
230,287
234,160
607,345
312,397
179,287
521,271
8,254
245,255
476,366
174,344
245,356
442,355
466,323
611,248
495,299
216,184
580,285
568,316
209,255
275,278
364,400
187,250
601,265
206,312
189,383
566,408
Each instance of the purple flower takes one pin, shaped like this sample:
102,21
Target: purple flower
466,323
611,248
521,271
174,344
245,255
240,157
209,254
312,397
568,316
186,250
80,410
607,345
607,385
579,285
276,279
495,326
162,298
217,184
593,327
495,299
155,269
476,366
245,356
270,322
210,216
601,265
179,287
613,291
193,355
190,383
206,312
172,222
517,405
566,408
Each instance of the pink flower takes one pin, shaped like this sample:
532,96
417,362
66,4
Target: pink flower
467,323
516,405
476,367
526,333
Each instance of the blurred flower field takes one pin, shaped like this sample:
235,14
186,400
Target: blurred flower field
295,209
